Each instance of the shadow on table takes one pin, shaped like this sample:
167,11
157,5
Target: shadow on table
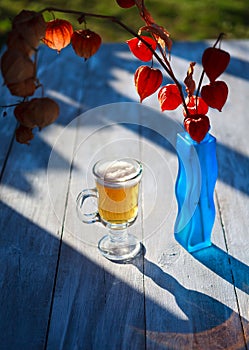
226,266
213,325
52,296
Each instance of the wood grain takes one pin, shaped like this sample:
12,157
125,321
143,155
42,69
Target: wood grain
57,291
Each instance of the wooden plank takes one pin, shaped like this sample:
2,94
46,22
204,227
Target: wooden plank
30,231
98,304
190,300
7,122
187,305
233,189
166,314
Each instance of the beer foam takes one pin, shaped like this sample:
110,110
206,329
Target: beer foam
119,170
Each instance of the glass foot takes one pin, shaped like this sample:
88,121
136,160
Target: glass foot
120,250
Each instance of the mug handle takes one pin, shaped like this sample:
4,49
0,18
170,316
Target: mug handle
87,218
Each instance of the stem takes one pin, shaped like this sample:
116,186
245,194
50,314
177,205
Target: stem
219,39
165,64
12,105
199,86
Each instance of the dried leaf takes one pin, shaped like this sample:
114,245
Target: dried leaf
189,81
161,35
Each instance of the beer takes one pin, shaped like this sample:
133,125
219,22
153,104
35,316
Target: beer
118,186
118,204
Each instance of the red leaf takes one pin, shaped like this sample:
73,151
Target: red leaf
169,97
215,94
140,50
147,81
197,126
215,62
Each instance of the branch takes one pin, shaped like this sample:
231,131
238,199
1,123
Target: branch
113,19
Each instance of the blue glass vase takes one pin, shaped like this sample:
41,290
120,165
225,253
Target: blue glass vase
197,175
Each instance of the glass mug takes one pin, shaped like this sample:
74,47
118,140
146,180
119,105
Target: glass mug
117,192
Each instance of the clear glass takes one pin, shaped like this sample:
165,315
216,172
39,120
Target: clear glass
195,184
117,192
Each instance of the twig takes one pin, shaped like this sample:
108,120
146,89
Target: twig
165,64
12,105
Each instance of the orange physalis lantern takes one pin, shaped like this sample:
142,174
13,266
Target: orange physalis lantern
17,42
140,50
58,34
195,105
215,62
30,25
197,126
125,3
24,134
24,89
85,43
38,112
215,94
147,81
169,97
16,67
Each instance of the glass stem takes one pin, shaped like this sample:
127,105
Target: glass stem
119,234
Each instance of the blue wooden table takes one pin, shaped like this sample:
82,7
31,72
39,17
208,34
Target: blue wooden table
57,291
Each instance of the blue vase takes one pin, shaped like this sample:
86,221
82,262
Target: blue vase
197,175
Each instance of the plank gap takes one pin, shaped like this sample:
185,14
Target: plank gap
60,245
145,315
53,291
231,268
7,156
141,151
